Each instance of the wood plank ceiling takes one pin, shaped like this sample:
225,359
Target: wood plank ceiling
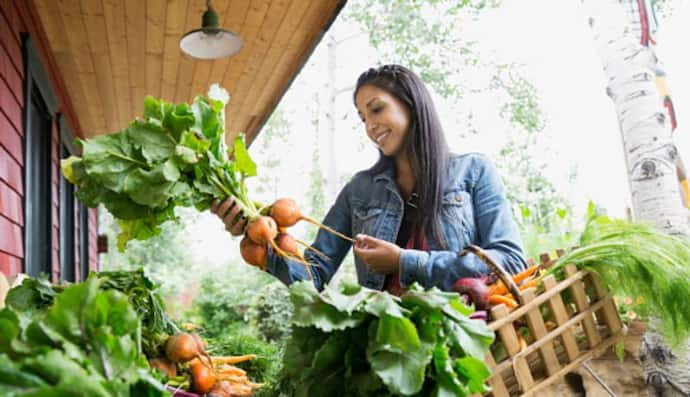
112,53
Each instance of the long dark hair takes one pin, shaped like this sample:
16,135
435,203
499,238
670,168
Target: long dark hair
425,143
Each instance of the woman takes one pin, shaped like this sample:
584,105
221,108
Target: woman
416,208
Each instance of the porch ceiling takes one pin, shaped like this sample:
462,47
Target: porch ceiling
112,53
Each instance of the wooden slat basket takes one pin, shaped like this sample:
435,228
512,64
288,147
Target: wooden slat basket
581,323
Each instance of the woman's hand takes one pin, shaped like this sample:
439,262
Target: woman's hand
231,215
383,257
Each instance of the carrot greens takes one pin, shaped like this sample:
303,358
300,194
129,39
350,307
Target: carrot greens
637,260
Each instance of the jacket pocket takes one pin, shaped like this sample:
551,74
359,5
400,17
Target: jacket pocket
366,220
459,223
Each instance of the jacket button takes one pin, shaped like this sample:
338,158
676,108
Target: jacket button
458,198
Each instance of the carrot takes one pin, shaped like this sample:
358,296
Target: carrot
231,370
532,282
499,288
232,359
525,273
501,299
286,213
522,342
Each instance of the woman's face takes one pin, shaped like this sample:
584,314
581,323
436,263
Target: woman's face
386,119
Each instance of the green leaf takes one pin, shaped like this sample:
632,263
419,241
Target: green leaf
447,381
186,154
207,115
12,376
73,169
382,304
346,298
152,188
243,160
156,144
471,336
178,119
311,311
401,371
397,333
475,371
108,159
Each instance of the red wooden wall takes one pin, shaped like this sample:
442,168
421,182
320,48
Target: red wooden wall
16,17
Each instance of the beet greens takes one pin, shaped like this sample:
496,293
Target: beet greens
175,155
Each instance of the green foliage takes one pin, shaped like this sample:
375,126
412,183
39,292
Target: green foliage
239,338
165,257
270,312
421,35
639,261
85,343
220,311
175,156
351,341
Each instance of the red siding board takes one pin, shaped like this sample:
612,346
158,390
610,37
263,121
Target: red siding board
11,75
10,106
12,15
10,264
11,204
11,241
18,16
11,171
11,140
11,42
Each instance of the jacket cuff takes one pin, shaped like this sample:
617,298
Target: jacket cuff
412,267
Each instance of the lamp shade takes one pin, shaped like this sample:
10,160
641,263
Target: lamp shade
211,41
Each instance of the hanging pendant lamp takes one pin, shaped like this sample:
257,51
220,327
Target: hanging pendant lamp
211,41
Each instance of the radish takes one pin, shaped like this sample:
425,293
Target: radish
286,213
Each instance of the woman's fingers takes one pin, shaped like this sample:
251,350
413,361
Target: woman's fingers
224,206
234,221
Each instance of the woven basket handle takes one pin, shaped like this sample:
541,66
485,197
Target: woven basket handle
493,266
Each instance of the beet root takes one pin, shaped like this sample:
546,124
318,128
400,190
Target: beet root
475,289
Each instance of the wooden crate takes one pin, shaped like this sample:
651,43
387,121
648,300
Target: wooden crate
582,323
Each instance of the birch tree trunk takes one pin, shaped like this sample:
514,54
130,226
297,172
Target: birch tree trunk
651,158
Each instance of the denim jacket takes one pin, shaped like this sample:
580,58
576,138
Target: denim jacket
475,211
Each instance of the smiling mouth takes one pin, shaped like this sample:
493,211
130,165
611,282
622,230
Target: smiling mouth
380,137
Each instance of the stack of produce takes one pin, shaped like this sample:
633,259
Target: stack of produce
104,337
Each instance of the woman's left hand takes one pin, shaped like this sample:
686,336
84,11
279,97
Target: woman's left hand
381,256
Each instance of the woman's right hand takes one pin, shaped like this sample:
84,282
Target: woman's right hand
231,215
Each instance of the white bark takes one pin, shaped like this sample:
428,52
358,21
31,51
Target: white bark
644,126
651,159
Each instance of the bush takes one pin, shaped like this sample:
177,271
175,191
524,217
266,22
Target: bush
270,312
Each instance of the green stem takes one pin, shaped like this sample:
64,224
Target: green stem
127,158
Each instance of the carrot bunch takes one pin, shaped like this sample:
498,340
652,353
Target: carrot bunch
187,365
271,230
499,293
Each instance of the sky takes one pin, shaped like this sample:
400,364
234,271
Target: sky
554,46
